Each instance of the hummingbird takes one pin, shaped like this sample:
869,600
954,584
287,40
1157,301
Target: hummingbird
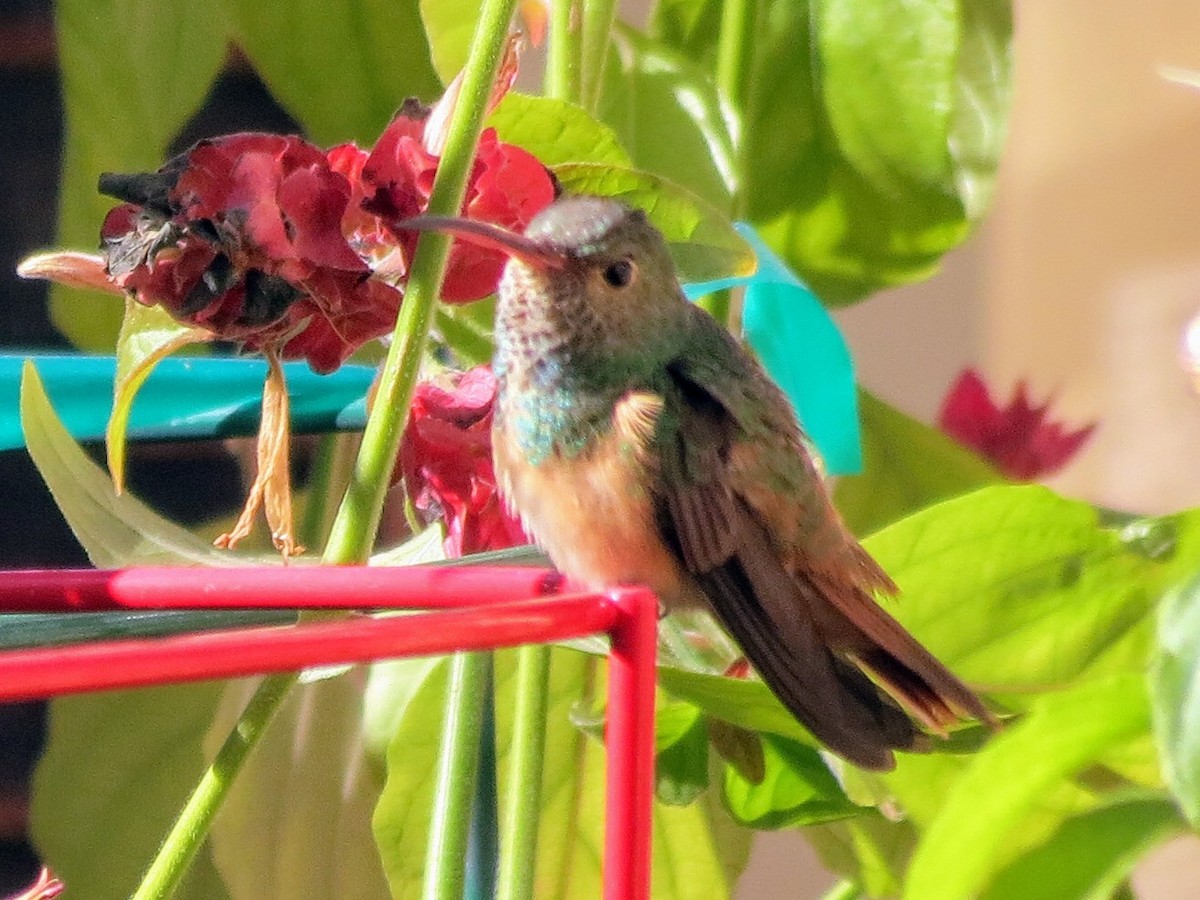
641,443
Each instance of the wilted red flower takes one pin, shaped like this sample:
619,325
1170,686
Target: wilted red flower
446,461
507,186
1017,439
242,236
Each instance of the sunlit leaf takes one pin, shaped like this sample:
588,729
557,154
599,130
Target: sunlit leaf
449,27
1019,590
341,69
972,836
1175,684
114,530
666,109
555,131
1091,854
869,850
133,73
745,703
906,466
797,789
681,769
117,769
872,135
298,823
704,244
148,335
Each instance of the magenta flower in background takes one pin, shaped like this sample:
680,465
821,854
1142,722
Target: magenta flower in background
1018,439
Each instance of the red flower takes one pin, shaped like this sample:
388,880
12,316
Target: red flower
242,236
446,460
1017,439
507,186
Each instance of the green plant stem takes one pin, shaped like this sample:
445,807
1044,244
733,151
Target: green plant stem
330,471
598,19
357,519
524,795
563,53
458,765
734,45
191,828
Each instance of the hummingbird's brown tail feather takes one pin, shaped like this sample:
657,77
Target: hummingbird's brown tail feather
855,623
771,616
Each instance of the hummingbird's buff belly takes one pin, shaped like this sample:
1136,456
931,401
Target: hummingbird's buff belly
592,513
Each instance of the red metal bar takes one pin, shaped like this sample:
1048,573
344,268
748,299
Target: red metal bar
50,671
501,617
290,587
629,738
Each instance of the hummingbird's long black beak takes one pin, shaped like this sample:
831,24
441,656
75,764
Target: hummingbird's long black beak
487,234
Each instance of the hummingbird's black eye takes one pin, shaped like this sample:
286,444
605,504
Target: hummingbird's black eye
619,274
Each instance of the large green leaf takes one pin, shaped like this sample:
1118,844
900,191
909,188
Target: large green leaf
703,243
555,131
974,834
341,69
1020,590
133,72
1175,685
298,822
697,850
449,26
906,466
117,769
114,530
872,135
1091,854
670,117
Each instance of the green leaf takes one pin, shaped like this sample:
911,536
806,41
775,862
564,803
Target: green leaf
975,833
747,704
1091,854
341,69
869,850
133,72
872,135
797,789
117,769
666,109
449,27
906,466
114,530
698,852
703,243
1020,590
148,335
1175,688
298,822
690,27
555,131
681,769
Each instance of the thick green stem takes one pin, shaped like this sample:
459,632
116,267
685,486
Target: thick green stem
734,45
458,766
354,528
523,798
191,828
358,517
563,54
598,19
